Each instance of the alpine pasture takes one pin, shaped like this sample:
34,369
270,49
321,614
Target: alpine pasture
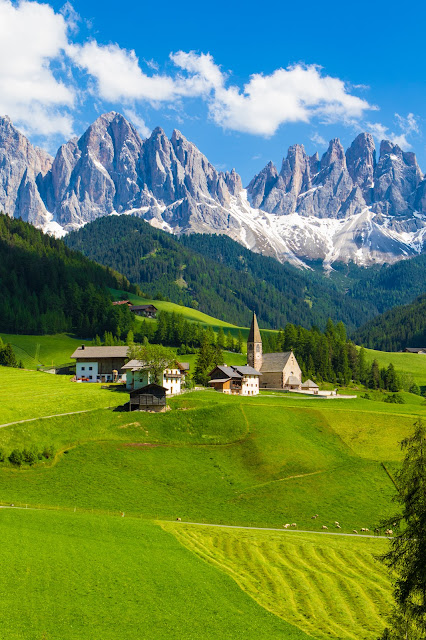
99,518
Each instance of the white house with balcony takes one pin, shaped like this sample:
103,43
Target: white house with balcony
138,376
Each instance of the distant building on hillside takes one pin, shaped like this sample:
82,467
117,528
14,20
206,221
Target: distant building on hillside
99,364
145,310
138,377
120,302
242,380
279,370
415,350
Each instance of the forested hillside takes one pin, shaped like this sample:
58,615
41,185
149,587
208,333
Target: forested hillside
45,287
400,327
384,285
216,275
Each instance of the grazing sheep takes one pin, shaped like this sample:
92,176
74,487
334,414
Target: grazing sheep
355,531
376,530
336,523
362,529
338,526
286,526
179,519
314,517
324,527
122,514
293,524
388,532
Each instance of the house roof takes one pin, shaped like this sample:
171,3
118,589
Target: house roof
183,366
292,380
247,370
254,333
121,302
100,352
147,388
415,349
135,365
142,307
218,380
234,372
274,362
309,384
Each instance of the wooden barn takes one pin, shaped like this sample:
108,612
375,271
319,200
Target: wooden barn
99,364
152,397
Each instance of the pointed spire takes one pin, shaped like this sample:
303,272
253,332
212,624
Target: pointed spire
254,333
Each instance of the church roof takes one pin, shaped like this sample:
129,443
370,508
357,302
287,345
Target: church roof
254,333
274,362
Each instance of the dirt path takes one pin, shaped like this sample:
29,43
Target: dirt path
321,533
56,415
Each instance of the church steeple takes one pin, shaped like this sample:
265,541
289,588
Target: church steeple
254,345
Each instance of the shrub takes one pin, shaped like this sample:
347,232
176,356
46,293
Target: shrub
395,398
16,457
414,389
29,456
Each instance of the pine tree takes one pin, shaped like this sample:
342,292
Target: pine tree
374,377
220,340
204,362
407,553
391,378
240,342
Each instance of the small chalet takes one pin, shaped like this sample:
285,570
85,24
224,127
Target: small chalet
99,364
415,350
151,397
138,377
145,310
243,380
310,387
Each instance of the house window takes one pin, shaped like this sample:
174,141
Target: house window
82,368
90,377
90,368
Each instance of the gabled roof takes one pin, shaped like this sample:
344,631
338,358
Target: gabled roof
309,384
274,362
415,349
234,372
247,370
100,352
147,389
183,366
292,380
254,333
133,364
142,307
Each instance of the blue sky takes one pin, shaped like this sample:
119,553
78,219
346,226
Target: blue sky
243,81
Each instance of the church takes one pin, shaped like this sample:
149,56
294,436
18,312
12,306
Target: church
279,370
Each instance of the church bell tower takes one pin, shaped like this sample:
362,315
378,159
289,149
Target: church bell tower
254,346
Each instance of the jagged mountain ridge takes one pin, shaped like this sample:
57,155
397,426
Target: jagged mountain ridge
343,206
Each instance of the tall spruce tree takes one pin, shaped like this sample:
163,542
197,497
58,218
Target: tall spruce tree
407,552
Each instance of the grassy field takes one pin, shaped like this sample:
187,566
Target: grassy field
329,587
408,362
253,461
265,460
31,394
78,577
47,350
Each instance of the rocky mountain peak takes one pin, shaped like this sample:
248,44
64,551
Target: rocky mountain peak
361,162
335,155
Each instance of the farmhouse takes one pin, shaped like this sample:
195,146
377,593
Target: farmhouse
241,380
421,350
145,310
99,364
137,377
121,302
279,370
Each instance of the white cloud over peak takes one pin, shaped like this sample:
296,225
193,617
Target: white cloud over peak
31,36
408,126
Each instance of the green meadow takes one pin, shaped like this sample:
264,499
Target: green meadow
261,461
49,350
413,363
74,576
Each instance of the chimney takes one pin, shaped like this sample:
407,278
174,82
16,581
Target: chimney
83,346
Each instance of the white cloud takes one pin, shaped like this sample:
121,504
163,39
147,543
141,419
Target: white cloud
38,58
408,126
118,74
138,122
318,139
31,36
295,94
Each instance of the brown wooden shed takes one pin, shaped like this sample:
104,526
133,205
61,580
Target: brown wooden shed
152,397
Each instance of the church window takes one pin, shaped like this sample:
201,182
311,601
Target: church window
258,347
